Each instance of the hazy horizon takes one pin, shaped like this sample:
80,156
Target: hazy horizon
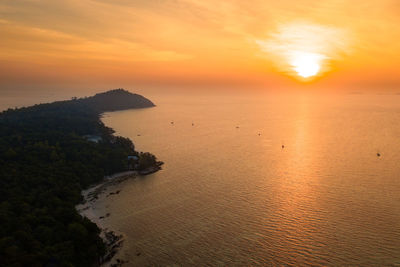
80,45
248,133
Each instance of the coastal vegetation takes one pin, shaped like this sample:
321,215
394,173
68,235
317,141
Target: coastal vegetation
46,159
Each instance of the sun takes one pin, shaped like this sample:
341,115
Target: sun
304,49
306,64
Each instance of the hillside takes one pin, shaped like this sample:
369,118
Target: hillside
46,161
116,100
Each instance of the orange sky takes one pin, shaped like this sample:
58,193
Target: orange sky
198,43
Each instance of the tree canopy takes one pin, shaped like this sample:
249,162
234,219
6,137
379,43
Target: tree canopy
45,162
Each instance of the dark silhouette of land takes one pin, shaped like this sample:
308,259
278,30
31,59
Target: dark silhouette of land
48,154
117,99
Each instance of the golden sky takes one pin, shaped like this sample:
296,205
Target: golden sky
253,43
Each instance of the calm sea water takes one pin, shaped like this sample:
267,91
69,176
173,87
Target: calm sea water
230,195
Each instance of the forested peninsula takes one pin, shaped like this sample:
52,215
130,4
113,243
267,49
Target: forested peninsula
49,153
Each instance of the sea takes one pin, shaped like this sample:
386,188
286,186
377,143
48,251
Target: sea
262,179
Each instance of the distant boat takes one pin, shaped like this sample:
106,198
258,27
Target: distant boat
172,122
192,124
283,146
237,127
378,154
259,134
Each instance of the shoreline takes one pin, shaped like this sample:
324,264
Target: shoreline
93,209
67,136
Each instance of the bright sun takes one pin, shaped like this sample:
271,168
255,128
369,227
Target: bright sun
305,49
306,64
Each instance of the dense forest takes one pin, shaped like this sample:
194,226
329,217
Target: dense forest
46,159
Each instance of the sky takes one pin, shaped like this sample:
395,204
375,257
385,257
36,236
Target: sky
200,43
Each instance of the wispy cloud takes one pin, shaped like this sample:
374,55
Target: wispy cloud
210,37
291,40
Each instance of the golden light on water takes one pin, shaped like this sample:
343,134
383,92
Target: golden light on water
304,50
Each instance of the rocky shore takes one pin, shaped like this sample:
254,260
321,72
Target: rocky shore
93,207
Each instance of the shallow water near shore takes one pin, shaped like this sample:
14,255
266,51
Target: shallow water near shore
229,194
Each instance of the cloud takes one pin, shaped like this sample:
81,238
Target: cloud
296,40
198,37
23,40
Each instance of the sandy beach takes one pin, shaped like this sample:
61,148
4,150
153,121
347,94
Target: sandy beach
95,208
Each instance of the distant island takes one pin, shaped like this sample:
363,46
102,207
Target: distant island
49,153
